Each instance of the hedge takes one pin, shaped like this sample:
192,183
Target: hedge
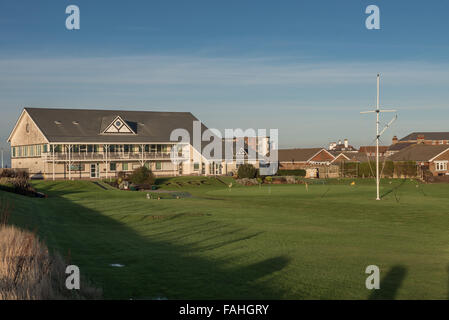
387,169
298,172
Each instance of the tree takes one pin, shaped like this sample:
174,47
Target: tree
142,175
247,170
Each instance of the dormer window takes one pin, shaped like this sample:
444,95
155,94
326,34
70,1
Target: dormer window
118,126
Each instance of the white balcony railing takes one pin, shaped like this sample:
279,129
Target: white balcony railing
110,156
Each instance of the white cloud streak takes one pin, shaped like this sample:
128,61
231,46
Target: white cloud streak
181,70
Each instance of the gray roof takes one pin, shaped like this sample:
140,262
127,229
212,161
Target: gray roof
418,152
427,136
400,145
149,126
285,155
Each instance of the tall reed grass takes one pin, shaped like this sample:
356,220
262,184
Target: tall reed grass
27,269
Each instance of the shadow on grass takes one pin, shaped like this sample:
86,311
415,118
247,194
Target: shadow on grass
390,284
394,189
161,258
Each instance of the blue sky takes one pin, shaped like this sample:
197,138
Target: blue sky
304,67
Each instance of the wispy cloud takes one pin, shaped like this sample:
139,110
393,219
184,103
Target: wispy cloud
181,70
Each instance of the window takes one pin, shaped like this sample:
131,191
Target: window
136,166
158,165
441,165
125,167
77,167
196,166
113,166
147,165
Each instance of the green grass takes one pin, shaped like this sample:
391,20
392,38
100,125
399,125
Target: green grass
268,242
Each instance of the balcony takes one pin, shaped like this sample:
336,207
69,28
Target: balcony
111,156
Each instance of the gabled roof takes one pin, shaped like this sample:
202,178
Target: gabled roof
357,156
299,155
427,136
85,125
419,152
340,155
118,126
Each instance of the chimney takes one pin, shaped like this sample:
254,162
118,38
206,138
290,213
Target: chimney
346,143
394,140
420,138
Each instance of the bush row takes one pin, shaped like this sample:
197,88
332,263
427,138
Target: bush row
387,168
298,172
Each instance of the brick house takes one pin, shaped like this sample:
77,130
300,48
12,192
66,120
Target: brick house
316,161
428,138
370,151
434,158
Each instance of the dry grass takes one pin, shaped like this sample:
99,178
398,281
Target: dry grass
29,272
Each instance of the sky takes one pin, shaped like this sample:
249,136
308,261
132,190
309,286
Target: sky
306,68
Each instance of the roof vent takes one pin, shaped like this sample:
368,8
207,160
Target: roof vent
58,122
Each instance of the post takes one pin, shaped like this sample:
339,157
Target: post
377,139
105,151
53,153
2,159
70,162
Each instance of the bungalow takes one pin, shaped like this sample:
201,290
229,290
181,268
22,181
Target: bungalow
83,144
316,161
434,158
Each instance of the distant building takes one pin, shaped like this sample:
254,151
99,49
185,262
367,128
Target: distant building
428,138
370,151
345,146
316,161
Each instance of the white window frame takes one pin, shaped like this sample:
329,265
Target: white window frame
441,165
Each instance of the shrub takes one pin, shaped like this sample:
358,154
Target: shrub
12,173
142,175
247,170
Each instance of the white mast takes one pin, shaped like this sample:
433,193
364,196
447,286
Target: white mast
378,134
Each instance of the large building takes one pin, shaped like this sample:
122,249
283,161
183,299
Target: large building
83,144
429,138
